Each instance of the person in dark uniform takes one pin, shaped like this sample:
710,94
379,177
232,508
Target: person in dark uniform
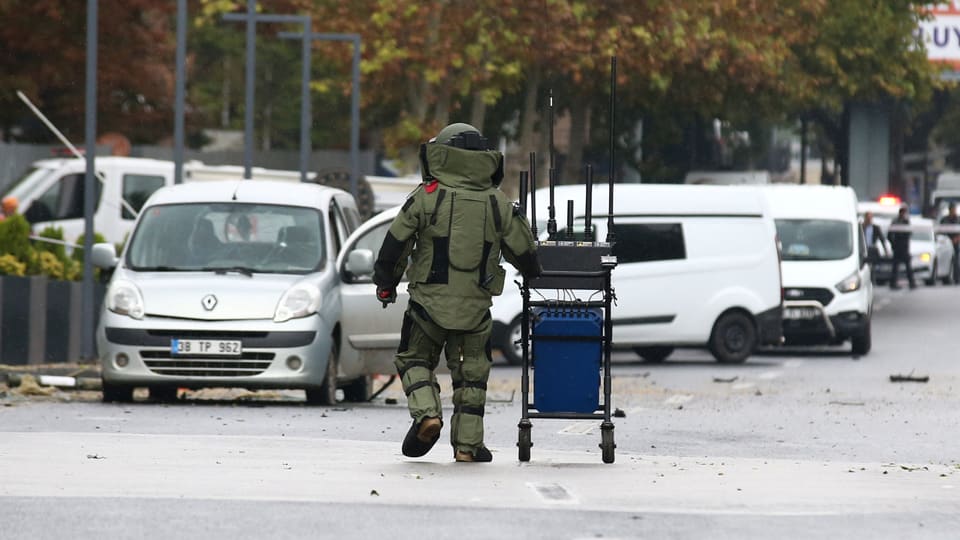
451,232
873,236
900,242
953,219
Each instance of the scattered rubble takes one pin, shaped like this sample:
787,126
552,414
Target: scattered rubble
910,377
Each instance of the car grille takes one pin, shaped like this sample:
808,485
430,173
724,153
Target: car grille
824,296
248,364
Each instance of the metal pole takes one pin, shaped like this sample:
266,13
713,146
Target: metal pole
355,120
179,98
251,72
305,111
90,136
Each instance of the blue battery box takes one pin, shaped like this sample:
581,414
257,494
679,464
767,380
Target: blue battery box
566,359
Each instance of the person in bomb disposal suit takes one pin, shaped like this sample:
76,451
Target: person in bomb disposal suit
453,228
900,242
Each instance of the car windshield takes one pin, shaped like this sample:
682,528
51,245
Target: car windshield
815,239
24,182
228,237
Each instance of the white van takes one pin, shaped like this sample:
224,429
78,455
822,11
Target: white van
828,294
51,192
697,267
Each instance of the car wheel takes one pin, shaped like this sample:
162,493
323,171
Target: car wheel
862,342
511,347
932,280
733,338
163,394
358,390
949,278
116,393
654,354
326,393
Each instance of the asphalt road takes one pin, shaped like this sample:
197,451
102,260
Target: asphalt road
805,443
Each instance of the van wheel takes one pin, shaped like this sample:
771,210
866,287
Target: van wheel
861,343
510,346
653,354
340,179
326,394
734,338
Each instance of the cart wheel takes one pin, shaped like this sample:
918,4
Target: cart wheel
607,445
524,444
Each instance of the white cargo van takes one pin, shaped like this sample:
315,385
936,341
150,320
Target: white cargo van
697,267
828,294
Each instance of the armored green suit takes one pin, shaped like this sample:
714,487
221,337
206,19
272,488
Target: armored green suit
453,229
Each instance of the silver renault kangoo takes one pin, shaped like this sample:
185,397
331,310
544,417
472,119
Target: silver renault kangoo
229,284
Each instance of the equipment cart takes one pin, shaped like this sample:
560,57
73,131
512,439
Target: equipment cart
567,343
567,340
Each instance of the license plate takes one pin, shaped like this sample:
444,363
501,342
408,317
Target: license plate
801,313
205,347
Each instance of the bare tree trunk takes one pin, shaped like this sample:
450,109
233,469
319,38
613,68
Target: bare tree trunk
265,141
579,122
225,94
528,140
478,110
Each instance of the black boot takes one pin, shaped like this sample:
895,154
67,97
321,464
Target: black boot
421,437
479,455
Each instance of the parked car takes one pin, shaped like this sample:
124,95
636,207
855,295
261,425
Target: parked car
828,293
697,267
931,254
233,284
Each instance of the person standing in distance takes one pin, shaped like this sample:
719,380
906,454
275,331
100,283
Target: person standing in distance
953,219
900,242
452,229
873,235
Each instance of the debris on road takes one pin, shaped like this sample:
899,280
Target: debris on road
26,385
725,380
910,377
849,403
618,413
373,493
95,456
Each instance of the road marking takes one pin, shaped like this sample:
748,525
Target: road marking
678,399
769,375
553,493
580,428
742,385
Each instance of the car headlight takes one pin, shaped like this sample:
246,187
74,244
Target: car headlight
124,297
925,257
850,283
299,301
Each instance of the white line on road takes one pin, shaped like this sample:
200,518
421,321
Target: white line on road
769,375
742,385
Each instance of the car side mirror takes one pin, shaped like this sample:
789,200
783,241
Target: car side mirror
360,262
104,256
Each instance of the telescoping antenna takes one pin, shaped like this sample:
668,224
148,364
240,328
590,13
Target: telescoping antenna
533,194
523,192
611,236
551,175
588,200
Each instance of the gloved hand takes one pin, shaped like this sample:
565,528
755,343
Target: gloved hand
386,296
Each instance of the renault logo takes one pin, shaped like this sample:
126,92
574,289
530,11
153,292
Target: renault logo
209,302
792,293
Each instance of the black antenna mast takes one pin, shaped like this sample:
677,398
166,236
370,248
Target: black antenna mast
552,175
533,194
611,236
